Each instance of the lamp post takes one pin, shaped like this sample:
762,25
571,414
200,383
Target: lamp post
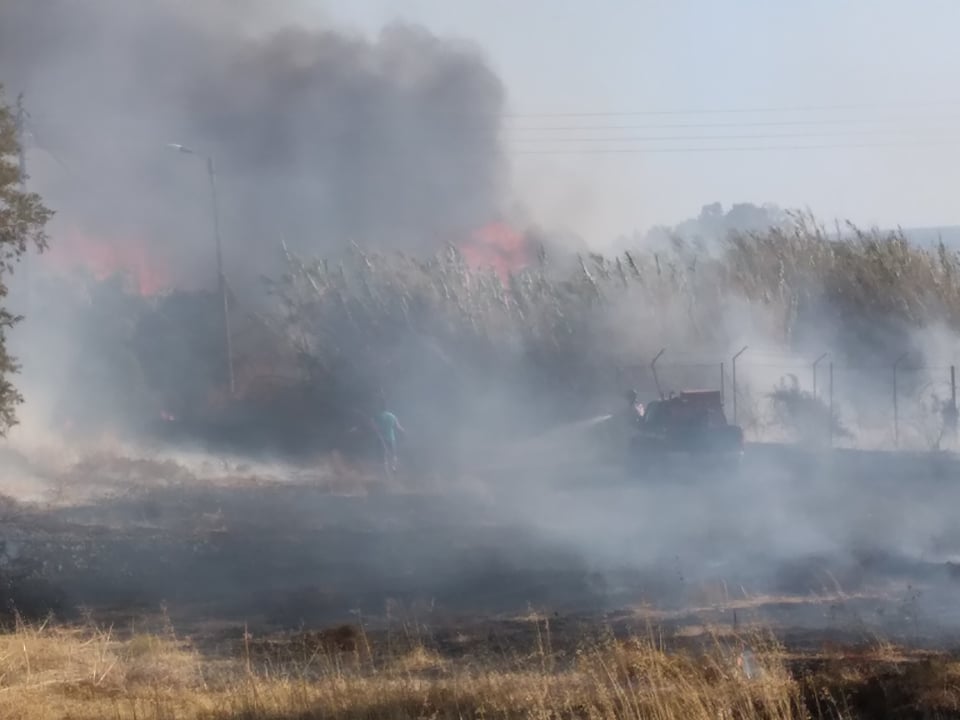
221,278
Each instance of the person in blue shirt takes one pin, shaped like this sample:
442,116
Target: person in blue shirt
387,426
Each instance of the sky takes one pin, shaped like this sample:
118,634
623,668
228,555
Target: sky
869,84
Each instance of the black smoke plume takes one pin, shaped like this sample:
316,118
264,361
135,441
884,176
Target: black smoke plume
321,138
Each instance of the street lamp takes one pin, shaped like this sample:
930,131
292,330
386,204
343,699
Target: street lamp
221,278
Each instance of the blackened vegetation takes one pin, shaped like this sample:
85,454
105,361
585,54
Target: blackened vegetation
192,546
25,587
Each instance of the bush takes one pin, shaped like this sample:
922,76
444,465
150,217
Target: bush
807,417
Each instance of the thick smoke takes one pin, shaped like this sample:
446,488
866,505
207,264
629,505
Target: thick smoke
321,138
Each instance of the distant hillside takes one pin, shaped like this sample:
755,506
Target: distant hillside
714,223
949,234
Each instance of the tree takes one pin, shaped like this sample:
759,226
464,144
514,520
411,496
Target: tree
23,219
712,226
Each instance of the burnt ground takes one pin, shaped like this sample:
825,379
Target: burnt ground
815,552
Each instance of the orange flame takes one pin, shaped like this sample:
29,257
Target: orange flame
107,257
497,246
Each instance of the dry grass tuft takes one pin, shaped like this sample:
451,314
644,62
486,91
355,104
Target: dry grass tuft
85,674
48,672
90,664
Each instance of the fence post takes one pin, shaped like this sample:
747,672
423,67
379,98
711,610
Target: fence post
896,409
723,381
734,388
653,369
953,399
953,386
815,363
830,421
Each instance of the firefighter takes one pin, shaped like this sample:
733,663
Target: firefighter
386,425
635,412
628,424
628,420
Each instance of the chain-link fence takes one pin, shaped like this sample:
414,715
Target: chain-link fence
892,405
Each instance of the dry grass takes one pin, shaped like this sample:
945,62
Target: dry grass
48,673
340,331
355,323
55,672
870,283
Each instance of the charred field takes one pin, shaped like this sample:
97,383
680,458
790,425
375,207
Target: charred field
165,588
324,545
270,244
249,560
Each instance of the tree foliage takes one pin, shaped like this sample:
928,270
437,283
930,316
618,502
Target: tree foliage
23,218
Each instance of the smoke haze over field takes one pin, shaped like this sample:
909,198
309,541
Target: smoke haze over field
321,137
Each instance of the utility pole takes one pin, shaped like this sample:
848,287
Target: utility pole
221,277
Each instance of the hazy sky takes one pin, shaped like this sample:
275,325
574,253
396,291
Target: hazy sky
818,73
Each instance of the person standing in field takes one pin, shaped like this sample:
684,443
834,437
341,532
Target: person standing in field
631,417
626,423
387,426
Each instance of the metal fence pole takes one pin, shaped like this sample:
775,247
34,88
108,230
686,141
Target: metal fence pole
953,399
953,386
815,363
830,421
723,381
653,369
896,409
734,388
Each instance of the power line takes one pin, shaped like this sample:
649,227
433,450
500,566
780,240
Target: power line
718,149
731,111
754,136
704,126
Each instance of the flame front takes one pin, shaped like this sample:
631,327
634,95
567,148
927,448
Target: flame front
105,257
497,246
